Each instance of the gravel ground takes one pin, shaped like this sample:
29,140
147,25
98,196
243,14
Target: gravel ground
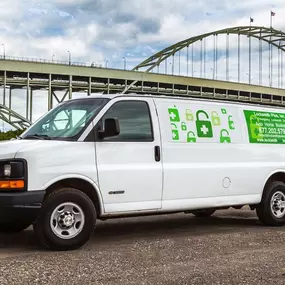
229,248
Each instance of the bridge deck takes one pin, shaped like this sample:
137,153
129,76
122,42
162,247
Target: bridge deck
81,74
53,77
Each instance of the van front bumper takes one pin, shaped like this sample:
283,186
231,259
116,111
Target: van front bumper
20,206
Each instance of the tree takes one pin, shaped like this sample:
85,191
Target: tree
4,136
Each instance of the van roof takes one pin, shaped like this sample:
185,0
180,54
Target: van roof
177,97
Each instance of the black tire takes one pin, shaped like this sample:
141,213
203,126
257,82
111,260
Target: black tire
204,213
43,228
14,227
264,211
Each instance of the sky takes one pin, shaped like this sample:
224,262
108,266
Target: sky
105,31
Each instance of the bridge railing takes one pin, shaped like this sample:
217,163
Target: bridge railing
41,60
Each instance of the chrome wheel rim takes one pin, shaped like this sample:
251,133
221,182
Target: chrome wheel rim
67,220
278,205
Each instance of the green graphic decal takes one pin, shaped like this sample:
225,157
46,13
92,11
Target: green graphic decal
189,115
265,127
224,111
183,127
231,123
254,127
216,120
175,132
204,127
225,136
174,114
191,138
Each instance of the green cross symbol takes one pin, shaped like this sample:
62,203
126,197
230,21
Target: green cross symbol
174,115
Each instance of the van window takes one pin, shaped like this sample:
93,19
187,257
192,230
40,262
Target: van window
134,120
66,121
70,119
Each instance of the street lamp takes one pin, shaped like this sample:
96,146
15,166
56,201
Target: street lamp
69,58
4,52
124,62
248,77
107,63
213,73
52,57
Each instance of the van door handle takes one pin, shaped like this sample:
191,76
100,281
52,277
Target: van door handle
157,153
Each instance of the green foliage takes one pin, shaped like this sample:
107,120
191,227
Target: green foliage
10,135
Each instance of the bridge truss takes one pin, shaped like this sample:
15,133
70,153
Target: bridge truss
14,119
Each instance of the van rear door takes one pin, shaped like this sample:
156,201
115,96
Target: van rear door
129,165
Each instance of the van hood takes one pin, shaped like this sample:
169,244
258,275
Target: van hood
9,149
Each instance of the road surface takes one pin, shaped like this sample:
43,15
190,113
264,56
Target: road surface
229,248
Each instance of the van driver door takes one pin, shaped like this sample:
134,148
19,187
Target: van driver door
129,164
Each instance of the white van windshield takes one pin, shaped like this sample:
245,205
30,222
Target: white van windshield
67,121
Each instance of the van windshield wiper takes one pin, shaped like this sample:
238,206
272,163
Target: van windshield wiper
38,137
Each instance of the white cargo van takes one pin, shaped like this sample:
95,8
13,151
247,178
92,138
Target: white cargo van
112,156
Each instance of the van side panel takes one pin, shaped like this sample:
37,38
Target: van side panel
207,158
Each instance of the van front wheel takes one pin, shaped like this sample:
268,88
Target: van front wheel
271,210
66,221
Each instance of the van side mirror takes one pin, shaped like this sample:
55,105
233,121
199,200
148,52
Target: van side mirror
111,128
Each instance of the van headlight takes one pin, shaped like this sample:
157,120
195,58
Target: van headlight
12,169
7,170
13,175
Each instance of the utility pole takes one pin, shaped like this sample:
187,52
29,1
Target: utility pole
179,61
173,64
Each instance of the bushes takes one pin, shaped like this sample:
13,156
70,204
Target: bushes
10,135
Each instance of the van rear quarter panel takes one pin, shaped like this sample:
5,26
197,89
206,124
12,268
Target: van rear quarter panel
207,168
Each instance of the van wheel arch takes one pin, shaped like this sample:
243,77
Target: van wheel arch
278,176
80,184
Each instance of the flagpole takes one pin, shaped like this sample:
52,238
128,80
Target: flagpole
249,54
272,14
270,51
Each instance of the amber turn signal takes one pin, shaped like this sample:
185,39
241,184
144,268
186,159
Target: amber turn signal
15,184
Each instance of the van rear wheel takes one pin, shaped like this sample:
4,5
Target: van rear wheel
66,221
271,210
204,213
